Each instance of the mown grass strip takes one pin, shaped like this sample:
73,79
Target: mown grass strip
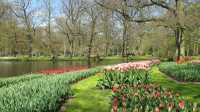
88,98
188,90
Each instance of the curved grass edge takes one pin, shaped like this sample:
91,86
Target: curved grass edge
190,91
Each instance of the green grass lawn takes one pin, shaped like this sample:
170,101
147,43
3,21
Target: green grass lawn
188,90
88,98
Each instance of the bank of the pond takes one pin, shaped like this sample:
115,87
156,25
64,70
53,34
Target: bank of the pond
188,90
76,58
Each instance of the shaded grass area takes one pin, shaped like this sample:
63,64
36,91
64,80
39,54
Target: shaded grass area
189,90
88,98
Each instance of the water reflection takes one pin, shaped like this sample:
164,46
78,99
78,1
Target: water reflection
15,68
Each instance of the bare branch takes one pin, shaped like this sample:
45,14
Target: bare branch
163,5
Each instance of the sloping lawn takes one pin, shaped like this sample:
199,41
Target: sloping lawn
188,90
88,98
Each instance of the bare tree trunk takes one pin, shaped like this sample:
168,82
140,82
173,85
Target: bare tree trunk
71,45
124,39
30,46
179,39
64,46
91,41
15,44
72,49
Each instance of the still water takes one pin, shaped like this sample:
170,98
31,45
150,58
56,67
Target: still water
16,68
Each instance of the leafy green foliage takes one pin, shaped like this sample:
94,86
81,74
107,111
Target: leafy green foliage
181,72
130,77
15,80
41,95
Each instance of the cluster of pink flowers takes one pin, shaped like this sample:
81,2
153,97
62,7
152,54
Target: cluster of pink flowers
140,65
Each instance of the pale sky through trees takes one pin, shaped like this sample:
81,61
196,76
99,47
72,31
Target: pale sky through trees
117,25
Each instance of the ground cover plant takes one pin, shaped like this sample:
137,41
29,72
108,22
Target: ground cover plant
181,72
42,95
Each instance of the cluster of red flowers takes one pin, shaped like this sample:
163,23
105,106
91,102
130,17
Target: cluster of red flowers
60,71
183,59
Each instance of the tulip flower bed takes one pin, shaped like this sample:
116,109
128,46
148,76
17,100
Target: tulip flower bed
41,95
130,77
126,73
15,80
181,72
148,98
61,71
133,91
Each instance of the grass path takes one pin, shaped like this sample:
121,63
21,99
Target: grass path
189,90
88,98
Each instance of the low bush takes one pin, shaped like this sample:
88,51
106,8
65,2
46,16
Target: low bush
181,72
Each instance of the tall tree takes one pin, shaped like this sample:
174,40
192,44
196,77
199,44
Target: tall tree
22,10
70,24
49,10
93,14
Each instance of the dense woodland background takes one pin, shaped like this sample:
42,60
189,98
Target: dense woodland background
164,28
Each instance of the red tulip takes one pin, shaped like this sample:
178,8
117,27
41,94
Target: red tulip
157,94
114,89
181,104
115,104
